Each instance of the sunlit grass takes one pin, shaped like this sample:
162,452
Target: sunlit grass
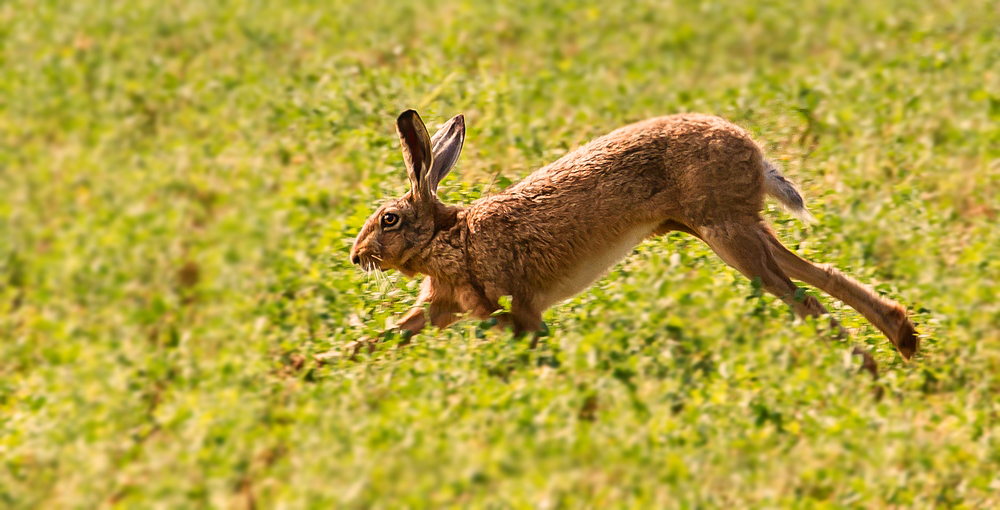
181,183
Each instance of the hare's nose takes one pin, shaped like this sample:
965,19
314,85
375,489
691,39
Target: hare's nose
355,259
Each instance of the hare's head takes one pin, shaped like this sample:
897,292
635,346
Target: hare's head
402,227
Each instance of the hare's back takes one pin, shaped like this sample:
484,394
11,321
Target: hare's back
658,166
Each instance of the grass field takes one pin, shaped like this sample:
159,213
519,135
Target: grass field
180,183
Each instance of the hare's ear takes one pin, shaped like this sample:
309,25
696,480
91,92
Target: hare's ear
446,146
416,146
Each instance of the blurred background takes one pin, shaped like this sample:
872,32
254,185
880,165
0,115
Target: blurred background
180,183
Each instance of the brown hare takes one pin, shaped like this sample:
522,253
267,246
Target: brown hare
550,236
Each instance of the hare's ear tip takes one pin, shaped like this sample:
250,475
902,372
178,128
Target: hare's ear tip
460,119
406,114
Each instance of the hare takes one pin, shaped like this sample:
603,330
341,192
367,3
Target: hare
553,234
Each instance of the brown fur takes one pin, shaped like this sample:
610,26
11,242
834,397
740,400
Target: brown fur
549,236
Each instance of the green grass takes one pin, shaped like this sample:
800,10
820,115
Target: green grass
180,183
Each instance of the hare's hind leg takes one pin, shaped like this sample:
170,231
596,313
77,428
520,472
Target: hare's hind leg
672,225
744,246
886,314
741,246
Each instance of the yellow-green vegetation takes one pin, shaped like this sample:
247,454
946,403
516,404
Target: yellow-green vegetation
180,183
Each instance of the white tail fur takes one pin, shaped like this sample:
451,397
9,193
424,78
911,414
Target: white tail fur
786,193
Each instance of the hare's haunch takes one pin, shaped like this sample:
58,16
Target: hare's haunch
550,236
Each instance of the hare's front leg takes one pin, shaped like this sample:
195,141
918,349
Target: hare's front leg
441,315
522,319
525,319
443,309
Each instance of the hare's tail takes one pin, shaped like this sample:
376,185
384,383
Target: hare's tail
785,192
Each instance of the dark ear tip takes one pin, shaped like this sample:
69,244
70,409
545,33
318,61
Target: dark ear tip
407,115
460,119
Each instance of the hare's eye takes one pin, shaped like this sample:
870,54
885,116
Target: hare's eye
389,219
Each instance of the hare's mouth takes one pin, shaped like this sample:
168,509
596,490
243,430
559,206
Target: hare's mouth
370,264
366,260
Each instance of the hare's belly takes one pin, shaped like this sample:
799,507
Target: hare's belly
597,263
